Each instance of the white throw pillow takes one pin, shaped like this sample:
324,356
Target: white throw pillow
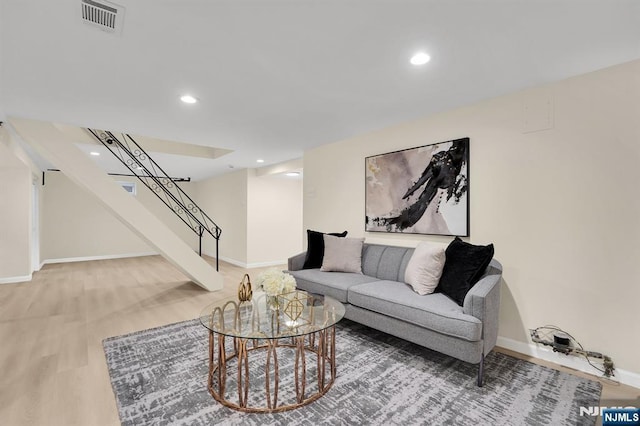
425,268
342,254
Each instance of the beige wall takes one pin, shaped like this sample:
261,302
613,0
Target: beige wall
274,218
75,225
15,214
260,216
224,198
561,205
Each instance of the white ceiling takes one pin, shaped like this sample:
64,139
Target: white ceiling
277,77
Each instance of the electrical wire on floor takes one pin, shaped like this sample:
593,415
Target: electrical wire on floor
561,342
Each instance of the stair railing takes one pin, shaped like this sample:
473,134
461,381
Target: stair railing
136,159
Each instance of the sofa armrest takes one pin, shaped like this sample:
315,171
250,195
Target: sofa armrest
296,262
483,302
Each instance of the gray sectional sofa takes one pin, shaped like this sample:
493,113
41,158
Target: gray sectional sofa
380,299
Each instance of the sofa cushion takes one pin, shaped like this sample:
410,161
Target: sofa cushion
342,254
464,266
436,311
315,248
385,262
333,284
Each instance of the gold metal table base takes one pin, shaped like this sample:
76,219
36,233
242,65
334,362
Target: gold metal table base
321,343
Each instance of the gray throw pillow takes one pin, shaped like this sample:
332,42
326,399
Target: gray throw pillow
342,254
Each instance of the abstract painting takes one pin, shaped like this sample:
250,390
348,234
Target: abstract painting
423,190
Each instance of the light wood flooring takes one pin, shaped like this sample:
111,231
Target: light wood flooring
52,365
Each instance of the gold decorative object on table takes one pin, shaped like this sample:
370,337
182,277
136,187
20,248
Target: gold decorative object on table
244,290
293,304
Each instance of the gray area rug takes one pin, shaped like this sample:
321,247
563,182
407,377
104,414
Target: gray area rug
159,378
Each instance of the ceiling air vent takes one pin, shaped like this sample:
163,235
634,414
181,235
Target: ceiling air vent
103,14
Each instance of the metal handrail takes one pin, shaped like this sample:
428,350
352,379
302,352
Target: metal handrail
137,160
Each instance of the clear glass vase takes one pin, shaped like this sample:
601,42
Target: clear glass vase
273,303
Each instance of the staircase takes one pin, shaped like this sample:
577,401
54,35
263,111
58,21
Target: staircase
141,165
55,147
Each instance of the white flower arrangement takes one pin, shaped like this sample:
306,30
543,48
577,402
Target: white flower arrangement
274,282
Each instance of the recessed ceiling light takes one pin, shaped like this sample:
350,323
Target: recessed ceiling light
188,99
420,58
260,160
293,174
94,153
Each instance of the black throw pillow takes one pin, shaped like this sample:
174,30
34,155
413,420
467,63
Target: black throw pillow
464,265
315,248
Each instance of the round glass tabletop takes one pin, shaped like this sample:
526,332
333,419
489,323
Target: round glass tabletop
266,317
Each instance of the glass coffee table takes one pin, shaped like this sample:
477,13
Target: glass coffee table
270,355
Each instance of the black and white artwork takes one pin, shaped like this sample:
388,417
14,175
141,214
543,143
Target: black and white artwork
423,190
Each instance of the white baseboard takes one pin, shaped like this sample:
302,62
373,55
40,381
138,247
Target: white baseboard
103,257
266,264
248,265
576,362
228,260
13,280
